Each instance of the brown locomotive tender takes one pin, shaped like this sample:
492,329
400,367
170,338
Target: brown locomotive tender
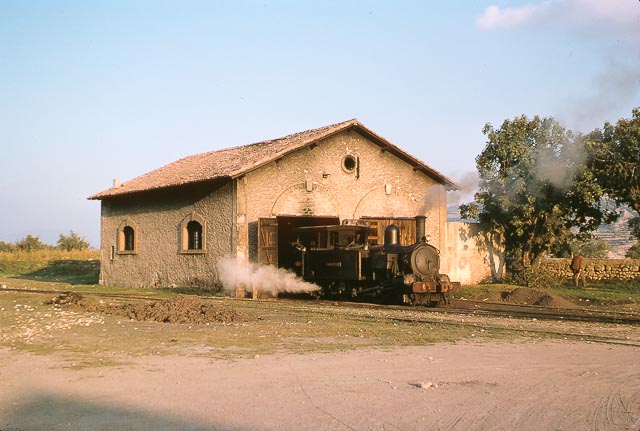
339,259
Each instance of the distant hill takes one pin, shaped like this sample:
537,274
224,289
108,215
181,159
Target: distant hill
453,213
618,234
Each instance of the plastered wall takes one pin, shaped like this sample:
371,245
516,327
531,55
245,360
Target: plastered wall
313,181
463,258
156,218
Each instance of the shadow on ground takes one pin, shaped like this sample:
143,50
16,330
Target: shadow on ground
52,412
67,271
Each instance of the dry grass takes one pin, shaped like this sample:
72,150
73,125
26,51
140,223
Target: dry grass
50,263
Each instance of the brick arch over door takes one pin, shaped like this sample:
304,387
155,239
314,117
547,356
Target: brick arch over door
306,199
377,203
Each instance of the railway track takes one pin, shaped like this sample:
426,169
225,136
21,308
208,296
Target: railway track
466,307
522,311
547,313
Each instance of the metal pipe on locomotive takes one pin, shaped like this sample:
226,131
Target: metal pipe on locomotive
341,261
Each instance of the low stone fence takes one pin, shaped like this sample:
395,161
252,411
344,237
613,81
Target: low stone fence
597,269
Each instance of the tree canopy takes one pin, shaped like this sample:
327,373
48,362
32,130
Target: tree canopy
615,162
72,242
30,243
534,188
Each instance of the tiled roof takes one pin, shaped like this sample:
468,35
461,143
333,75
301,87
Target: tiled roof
236,161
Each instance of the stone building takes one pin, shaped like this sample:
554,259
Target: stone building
170,226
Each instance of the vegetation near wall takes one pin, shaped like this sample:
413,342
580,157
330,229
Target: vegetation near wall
49,260
596,269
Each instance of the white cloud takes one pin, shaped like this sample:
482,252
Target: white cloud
616,17
494,17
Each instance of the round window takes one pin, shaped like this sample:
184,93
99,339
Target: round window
349,163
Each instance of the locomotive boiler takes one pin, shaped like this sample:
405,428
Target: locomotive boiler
340,260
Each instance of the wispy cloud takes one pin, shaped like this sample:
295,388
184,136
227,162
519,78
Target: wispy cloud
494,17
618,18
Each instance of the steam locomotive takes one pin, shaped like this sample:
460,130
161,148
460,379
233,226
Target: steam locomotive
340,260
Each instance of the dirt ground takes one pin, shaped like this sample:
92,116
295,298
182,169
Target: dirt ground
179,309
523,385
542,380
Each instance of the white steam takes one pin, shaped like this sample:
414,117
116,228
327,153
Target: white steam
234,273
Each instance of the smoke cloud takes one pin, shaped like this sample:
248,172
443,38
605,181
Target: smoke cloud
616,88
468,183
263,278
559,169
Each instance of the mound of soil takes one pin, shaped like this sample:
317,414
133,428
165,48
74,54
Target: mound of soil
527,296
179,309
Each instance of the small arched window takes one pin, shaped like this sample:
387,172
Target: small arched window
129,238
194,234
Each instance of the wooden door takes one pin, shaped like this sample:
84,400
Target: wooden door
268,241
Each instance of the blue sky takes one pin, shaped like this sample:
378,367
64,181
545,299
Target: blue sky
96,90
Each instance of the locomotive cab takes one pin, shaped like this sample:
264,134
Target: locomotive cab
334,257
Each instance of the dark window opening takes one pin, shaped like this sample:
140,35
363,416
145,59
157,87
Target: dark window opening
194,234
129,238
349,163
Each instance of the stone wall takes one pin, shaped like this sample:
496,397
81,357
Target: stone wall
157,217
313,182
597,269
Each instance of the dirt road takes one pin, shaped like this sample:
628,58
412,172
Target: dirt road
524,385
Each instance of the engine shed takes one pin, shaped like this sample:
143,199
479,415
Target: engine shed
171,226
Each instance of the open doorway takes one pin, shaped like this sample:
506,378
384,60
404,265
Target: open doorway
276,234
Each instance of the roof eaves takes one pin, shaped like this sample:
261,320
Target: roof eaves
115,192
418,164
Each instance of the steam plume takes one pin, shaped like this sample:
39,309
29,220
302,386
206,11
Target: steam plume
263,278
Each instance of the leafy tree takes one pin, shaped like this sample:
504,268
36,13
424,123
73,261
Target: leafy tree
30,243
634,251
72,242
534,189
615,161
7,246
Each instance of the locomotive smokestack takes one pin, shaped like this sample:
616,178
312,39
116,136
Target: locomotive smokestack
420,229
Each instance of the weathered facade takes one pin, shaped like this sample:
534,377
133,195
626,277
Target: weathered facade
171,226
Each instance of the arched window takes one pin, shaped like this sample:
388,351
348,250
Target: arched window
127,242
194,234
129,238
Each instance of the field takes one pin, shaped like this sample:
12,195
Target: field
133,359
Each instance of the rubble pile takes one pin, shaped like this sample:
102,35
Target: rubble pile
179,309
